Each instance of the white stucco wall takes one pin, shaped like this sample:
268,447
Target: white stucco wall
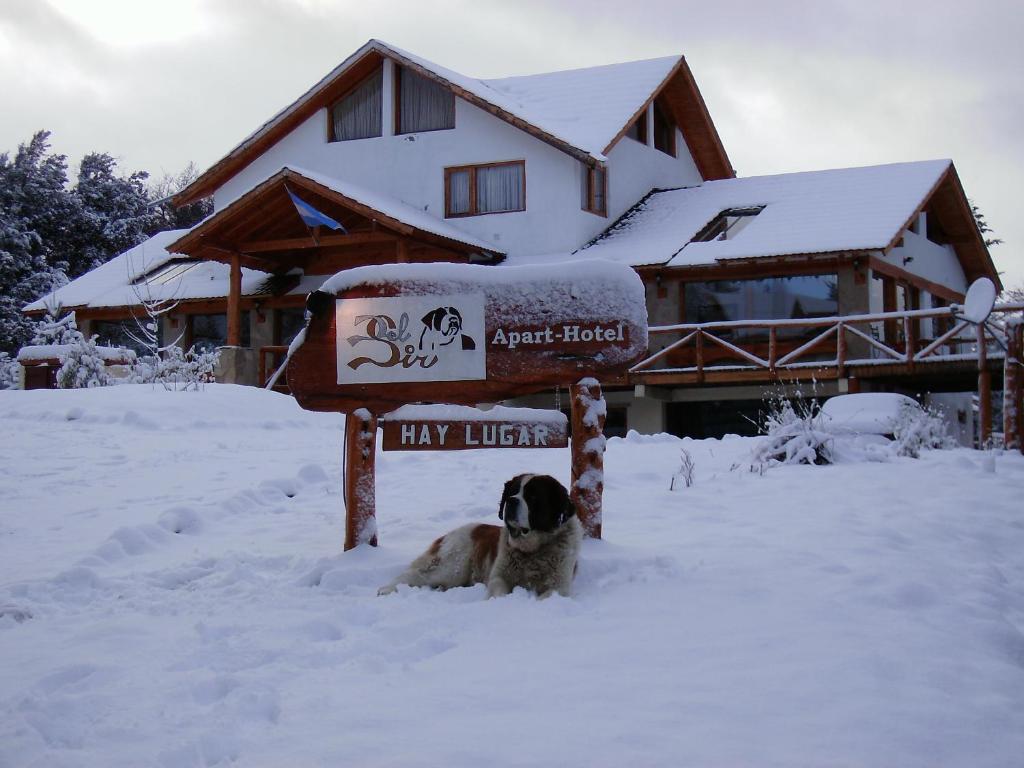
920,256
411,168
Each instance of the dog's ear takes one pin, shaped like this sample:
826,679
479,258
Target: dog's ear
433,318
510,488
569,510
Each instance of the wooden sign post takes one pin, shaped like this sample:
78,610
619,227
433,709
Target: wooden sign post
379,339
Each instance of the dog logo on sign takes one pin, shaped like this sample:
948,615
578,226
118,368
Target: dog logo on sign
383,339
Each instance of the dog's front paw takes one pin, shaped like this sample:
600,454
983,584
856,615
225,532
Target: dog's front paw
387,590
497,588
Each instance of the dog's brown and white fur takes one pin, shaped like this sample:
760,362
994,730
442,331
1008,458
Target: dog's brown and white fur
536,549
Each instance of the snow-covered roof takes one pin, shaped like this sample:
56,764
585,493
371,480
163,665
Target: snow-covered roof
113,284
812,212
581,111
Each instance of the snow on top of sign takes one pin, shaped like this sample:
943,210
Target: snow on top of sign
40,352
468,413
809,212
116,283
586,290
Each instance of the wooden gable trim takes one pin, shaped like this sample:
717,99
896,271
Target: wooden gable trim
681,95
948,200
325,93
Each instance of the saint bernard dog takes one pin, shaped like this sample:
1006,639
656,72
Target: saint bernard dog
536,549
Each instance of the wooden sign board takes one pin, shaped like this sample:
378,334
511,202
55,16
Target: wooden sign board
384,336
441,428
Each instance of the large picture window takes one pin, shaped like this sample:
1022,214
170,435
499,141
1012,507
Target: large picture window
358,115
472,190
770,298
423,105
207,332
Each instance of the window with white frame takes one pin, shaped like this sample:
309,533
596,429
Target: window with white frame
472,190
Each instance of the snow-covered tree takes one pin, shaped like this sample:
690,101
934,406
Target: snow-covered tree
83,367
115,213
51,330
10,370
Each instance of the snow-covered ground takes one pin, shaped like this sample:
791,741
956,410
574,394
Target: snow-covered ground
174,594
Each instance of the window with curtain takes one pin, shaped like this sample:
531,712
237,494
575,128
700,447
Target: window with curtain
664,131
595,190
358,115
423,105
477,189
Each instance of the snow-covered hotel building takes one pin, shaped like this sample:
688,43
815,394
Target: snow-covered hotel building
619,162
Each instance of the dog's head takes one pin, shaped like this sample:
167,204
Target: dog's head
533,507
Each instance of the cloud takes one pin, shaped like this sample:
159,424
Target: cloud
791,85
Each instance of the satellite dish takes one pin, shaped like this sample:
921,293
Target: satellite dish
980,299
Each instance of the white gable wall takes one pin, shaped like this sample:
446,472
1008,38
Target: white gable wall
411,168
920,256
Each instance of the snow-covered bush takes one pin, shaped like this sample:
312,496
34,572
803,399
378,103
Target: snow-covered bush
918,429
10,372
176,369
83,367
50,331
793,435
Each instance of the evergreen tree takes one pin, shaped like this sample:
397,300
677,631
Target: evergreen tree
983,227
33,206
115,213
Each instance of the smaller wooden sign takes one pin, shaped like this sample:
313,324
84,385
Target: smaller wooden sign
454,428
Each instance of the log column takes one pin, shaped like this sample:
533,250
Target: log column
235,303
360,481
1012,387
588,415
984,391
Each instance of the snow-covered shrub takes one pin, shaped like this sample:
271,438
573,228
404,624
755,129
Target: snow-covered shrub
176,369
10,372
50,331
83,366
684,476
918,429
793,435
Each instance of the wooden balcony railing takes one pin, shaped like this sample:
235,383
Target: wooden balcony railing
785,345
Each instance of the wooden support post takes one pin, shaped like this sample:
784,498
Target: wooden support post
841,350
588,415
773,348
700,356
984,391
910,334
1012,375
235,303
360,493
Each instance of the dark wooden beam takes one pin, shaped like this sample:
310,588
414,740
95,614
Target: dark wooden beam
298,243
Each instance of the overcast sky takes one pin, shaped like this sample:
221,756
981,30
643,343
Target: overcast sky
790,85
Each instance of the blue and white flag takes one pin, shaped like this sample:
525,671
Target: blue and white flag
311,217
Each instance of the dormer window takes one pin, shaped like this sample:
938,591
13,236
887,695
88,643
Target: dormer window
422,104
358,115
595,190
472,190
637,130
664,131
727,224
